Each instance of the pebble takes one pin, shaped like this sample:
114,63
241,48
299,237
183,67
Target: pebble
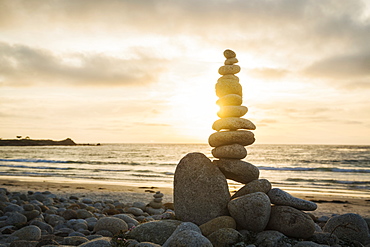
259,185
242,137
201,192
233,151
189,238
280,197
182,227
231,61
28,233
216,224
232,111
230,99
228,84
348,226
225,237
270,238
291,222
229,69
233,123
111,224
237,170
251,212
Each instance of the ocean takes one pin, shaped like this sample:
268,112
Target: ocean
329,169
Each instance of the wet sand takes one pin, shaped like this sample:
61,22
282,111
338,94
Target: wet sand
328,204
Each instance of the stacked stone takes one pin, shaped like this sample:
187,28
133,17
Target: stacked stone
232,130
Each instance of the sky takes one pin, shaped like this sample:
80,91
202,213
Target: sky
123,71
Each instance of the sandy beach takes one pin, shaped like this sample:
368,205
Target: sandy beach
328,204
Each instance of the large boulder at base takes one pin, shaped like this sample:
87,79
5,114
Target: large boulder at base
251,212
348,226
237,170
216,224
154,231
280,197
201,192
291,222
259,185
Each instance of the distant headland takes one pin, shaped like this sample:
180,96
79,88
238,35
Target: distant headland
35,142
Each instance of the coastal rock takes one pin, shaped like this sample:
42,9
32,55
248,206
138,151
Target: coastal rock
237,170
232,111
230,99
260,185
225,237
291,222
229,53
216,224
201,192
233,123
112,224
231,61
228,84
127,219
233,151
229,69
251,212
189,238
309,244
324,238
348,226
15,218
242,137
74,240
182,227
280,197
270,239
155,231
98,242
28,233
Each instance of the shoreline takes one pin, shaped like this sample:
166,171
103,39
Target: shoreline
328,204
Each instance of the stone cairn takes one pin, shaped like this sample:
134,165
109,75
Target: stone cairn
201,192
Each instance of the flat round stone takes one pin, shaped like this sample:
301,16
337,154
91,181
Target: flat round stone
228,84
260,185
229,69
229,53
231,61
242,137
237,170
232,111
233,151
230,99
233,123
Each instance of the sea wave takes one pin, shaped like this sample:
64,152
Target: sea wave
320,169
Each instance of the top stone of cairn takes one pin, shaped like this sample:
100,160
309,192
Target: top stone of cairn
229,54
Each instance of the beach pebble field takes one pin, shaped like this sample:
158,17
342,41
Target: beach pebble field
44,219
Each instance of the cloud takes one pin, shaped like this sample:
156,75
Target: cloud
268,73
24,65
341,67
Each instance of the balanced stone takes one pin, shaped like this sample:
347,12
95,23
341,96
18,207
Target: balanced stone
229,53
228,84
233,151
280,197
237,170
232,111
229,69
231,61
233,123
230,99
201,191
260,185
291,222
225,237
251,212
242,137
